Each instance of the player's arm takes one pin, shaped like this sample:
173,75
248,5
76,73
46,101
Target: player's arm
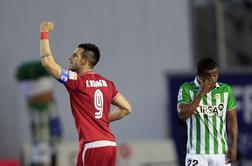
187,110
123,108
233,133
46,55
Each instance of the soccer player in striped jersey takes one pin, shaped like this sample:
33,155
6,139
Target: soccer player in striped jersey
207,107
91,96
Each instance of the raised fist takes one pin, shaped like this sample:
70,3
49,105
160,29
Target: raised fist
46,26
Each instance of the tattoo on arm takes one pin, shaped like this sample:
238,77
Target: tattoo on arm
46,55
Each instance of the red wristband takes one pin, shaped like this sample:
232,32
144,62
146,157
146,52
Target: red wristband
44,35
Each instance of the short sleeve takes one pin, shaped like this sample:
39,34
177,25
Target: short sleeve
183,94
69,79
115,92
231,99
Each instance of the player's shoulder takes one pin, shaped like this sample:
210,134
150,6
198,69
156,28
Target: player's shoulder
188,85
95,76
100,76
224,85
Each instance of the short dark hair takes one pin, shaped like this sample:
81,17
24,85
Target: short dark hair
91,51
206,64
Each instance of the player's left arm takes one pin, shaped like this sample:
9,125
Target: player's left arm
46,55
123,108
233,133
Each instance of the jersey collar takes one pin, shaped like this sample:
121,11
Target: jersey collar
88,72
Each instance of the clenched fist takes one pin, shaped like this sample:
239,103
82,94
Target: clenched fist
46,26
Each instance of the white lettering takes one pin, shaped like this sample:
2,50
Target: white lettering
96,83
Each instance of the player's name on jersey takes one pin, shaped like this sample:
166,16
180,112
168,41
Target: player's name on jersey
96,83
211,110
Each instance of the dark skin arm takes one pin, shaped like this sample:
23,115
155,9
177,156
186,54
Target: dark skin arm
233,132
187,110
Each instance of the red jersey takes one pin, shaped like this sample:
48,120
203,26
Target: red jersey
90,95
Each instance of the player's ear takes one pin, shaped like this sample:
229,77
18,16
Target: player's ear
84,61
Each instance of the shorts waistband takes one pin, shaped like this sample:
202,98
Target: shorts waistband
100,143
96,144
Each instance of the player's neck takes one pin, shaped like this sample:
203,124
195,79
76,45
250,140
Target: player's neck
85,69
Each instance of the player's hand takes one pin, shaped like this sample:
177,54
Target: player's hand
205,86
46,26
231,154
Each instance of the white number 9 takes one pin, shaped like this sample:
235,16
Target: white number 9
98,103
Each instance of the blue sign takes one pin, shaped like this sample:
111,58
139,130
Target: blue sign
241,84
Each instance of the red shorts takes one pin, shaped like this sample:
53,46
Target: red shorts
97,153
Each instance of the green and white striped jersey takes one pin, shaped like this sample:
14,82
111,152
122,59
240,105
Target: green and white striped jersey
206,128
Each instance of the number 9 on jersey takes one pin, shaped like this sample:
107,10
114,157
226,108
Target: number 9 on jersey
98,103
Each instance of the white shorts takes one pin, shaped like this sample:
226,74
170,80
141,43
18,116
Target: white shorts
206,160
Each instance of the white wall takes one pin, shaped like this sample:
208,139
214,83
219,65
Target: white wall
139,41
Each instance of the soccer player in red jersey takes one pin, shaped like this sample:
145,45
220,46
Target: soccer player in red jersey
90,96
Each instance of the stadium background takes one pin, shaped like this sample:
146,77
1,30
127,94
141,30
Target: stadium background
140,42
